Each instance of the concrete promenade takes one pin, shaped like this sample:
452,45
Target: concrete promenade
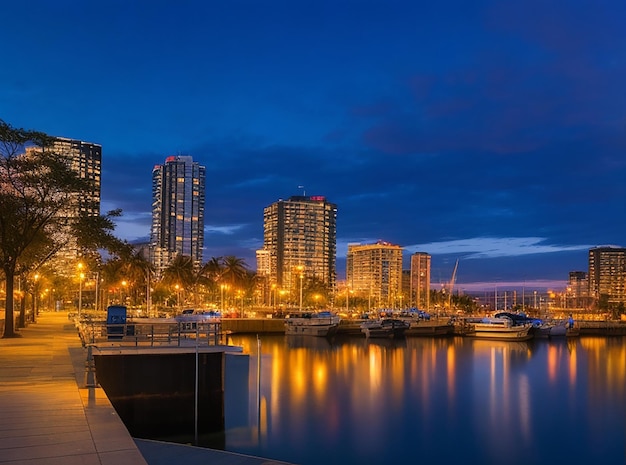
46,414
49,417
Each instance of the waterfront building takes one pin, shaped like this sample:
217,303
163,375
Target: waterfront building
607,274
420,280
577,292
299,241
374,272
177,211
263,275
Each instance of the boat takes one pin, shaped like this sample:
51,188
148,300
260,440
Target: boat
385,328
503,328
556,329
321,324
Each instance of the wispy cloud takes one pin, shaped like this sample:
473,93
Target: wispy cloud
227,229
493,247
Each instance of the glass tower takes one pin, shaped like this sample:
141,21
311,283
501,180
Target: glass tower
177,211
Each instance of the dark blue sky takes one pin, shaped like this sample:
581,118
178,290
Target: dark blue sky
489,131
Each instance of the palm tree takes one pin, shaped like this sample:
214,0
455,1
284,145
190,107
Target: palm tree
112,274
137,271
179,273
233,270
212,273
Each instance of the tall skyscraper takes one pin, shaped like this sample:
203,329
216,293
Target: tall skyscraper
177,211
420,280
300,237
85,159
607,274
374,271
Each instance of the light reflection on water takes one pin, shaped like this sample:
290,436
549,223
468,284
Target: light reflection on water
436,400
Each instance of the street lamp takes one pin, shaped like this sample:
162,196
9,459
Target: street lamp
273,295
81,275
222,287
35,291
300,269
177,287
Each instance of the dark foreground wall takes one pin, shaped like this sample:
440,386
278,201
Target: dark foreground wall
154,393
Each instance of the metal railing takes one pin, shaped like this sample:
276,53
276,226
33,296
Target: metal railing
150,334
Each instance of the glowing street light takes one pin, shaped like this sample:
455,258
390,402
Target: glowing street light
222,287
300,269
81,276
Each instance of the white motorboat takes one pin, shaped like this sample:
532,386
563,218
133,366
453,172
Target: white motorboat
502,328
385,328
321,324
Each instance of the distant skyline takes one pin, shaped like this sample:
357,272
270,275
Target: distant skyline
490,132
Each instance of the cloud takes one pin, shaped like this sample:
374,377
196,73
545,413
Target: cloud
227,230
490,247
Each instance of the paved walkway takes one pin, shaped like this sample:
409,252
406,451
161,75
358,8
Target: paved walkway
49,417
46,415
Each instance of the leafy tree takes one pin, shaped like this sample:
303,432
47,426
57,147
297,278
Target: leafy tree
36,187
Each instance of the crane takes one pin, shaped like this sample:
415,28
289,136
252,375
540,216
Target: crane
452,281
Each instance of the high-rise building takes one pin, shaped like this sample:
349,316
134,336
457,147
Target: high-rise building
374,271
607,274
577,292
420,280
177,211
300,238
85,159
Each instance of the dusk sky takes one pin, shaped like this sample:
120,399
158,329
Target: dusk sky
493,132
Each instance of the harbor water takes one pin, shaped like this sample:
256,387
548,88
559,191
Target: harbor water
430,400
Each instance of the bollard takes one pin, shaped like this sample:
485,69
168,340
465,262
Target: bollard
90,369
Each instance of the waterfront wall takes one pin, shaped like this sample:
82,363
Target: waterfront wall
154,394
253,325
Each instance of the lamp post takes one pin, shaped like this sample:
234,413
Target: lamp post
80,287
35,291
123,292
300,269
177,287
273,294
222,287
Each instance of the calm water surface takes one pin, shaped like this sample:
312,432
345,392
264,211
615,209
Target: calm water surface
445,401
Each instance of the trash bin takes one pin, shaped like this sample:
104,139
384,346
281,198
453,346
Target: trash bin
116,322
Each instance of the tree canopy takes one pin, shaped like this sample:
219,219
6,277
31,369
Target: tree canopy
37,189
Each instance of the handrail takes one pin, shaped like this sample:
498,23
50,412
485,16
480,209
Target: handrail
208,333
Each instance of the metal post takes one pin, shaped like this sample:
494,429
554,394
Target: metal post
80,294
196,390
90,369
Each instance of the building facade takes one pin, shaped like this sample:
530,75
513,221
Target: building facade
577,292
85,159
177,211
420,280
607,274
374,272
299,239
